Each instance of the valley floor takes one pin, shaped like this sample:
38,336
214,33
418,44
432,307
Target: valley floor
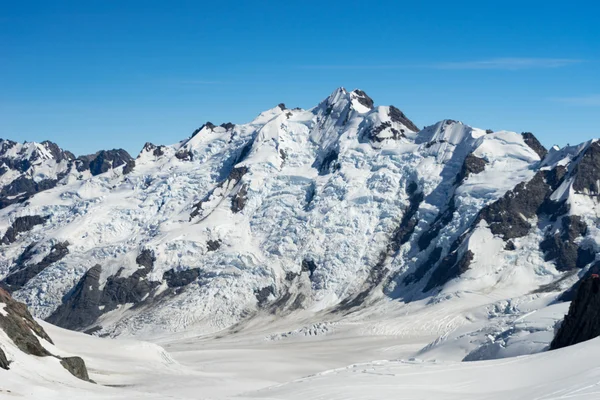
320,361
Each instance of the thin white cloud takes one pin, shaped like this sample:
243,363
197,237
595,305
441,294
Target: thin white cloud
368,67
588,101
198,82
510,63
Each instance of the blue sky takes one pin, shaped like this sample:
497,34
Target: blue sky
107,74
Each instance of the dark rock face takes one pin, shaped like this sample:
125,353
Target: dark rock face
364,99
102,161
433,258
238,201
505,216
80,307
4,363
309,266
373,133
76,366
587,171
450,268
236,174
328,164
129,167
213,245
398,116
263,294
146,258
208,125
228,126
531,141
23,188
184,155
441,220
409,221
21,328
177,279
157,151
472,165
21,274
583,320
22,224
83,305
561,247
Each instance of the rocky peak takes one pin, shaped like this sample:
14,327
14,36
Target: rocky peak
535,144
362,98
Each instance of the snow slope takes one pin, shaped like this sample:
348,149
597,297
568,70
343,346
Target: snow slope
314,368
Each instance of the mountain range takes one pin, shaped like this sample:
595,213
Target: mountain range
326,213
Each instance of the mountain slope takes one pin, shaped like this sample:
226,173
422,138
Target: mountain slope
325,210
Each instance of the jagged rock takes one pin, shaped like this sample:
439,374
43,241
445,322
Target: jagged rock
146,258
561,247
23,188
208,125
450,268
236,174
213,245
184,155
181,278
129,166
103,161
82,306
429,263
281,106
441,220
21,328
409,221
309,266
263,295
4,363
398,116
22,224
508,215
583,320
471,166
238,201
21,274
364,99
374,133
587,171
328,164
76,366
228,125
531,141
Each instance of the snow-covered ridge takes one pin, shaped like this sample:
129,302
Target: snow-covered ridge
328,209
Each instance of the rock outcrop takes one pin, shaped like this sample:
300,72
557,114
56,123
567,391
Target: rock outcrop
583,320
26,334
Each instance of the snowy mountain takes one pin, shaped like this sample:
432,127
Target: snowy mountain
341,209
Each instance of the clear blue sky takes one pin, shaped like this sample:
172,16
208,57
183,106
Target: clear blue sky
105,74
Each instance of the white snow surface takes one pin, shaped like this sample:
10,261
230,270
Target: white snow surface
351,362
